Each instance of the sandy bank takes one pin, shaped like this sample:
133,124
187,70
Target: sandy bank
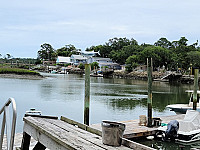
16,76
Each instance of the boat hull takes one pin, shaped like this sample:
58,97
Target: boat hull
181,108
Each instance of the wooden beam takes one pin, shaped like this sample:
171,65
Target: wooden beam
87,94
149,99
39,146
81,126
25,141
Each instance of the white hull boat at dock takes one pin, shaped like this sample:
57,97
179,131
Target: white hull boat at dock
182,108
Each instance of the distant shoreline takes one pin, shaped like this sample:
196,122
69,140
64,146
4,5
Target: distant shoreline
22,76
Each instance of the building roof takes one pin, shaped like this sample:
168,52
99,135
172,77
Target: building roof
101,59
78,57
62,59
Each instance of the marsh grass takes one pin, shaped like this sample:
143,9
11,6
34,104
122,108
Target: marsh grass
18,71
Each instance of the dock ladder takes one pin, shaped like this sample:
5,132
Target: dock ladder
10,130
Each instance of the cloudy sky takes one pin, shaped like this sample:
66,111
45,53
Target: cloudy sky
26,24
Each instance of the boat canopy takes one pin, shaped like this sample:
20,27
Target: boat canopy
191,91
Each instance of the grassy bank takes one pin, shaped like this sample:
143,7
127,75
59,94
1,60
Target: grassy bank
18,71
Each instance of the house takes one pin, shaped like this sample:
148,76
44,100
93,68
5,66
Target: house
63,60
77,59
104,62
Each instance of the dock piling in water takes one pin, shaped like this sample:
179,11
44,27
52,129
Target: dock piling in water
149,99
196,77
87,94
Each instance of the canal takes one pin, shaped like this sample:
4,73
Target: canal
111,99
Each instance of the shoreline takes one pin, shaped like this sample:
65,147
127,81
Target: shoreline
23,76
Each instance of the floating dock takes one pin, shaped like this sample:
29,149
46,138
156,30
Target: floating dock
133,129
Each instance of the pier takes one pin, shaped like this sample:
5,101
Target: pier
53,133
134,130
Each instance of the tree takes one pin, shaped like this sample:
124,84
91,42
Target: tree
81,66
161,56
131,62
193,58
47,52
66,51
104,50
121,55
163,42
118,43
94,65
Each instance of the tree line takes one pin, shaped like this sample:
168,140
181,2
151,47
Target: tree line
171,54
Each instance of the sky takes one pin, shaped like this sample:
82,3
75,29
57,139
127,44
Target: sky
27,24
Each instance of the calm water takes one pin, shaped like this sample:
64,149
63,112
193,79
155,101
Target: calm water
111,99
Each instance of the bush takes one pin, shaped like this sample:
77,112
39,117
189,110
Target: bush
81,66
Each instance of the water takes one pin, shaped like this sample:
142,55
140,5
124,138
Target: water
111,99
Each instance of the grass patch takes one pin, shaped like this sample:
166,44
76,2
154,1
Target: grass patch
18,71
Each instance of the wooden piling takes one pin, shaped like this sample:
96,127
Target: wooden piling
87,94
149,99
196,77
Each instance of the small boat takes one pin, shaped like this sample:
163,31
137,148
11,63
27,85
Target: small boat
182,108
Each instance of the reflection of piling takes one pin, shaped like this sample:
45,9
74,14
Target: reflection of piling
149,99
196,76
87,94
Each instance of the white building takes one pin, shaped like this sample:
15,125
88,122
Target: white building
77,59
63,60
104,62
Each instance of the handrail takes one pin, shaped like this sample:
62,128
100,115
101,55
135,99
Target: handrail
6,122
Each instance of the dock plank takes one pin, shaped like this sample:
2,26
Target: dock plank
133,129
63,134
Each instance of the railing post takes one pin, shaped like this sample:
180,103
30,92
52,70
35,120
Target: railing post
196,77
87,94
149,99
2,129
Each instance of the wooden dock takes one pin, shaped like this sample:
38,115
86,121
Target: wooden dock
133,129
53,133
65,134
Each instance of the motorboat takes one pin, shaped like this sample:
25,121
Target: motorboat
182,108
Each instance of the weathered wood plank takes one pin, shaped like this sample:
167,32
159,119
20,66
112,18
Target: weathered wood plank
134,130
45,132
42,138
79,133
125,142
39,146
25,141
64,134
82,126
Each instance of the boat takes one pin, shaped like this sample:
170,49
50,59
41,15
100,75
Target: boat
182,108
96,75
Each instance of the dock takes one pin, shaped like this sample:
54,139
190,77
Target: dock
134,130
45,132
64,134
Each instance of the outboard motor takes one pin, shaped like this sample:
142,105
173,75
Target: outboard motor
172,130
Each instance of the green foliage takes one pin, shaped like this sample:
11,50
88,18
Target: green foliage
17,71
171,54
66,51
193,58
131,62
47,52
81,66
94,65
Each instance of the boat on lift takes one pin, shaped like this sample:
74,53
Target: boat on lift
182,108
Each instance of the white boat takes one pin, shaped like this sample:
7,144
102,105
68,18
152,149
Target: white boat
182,108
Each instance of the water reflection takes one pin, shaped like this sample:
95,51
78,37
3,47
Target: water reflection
111,99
